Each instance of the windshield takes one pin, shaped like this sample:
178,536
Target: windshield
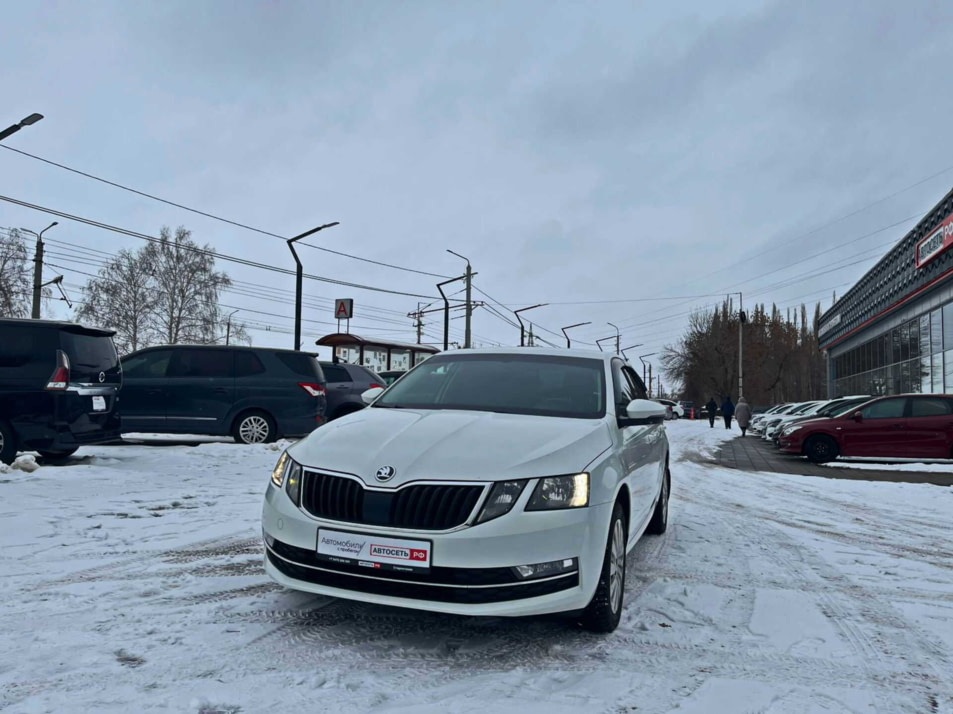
538,385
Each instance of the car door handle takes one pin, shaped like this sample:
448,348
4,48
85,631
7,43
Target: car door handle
154,391
899,426
221,390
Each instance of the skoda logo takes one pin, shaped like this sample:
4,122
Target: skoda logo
385,473
102,377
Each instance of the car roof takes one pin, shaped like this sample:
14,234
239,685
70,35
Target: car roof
56,325
542,351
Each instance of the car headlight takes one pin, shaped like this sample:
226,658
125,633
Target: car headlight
790,430
278,475
287,472
502,498
560,492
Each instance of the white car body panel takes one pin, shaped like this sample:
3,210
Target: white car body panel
452,446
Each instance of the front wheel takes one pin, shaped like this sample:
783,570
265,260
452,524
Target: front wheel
821,449
605,609
254,428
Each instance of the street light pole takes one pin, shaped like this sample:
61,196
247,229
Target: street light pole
228,326
299,278
467,342
569,327
630,347
618,337
642,360
38,269
742,318
519,319
446,311
13,129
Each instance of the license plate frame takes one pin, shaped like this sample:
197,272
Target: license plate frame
374,552
99,404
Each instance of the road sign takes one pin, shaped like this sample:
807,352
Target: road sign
343,309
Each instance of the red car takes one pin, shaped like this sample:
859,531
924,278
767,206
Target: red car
902,426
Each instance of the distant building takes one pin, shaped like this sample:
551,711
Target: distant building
892,332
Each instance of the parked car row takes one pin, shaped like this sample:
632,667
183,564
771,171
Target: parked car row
899,426
63,385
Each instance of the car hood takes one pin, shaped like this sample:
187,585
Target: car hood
452,445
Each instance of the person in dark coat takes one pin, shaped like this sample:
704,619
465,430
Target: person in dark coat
727,411
743,414
712,409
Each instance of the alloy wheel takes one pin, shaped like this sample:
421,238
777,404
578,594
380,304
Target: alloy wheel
617,566
254,429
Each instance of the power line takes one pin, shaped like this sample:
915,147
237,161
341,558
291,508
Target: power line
213,216
214,254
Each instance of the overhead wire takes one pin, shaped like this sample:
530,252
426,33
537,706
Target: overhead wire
212,216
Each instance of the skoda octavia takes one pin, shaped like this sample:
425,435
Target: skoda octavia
484,482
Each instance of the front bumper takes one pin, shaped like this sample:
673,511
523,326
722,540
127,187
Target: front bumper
790,446
470,567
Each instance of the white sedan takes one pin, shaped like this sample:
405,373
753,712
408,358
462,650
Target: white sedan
484,482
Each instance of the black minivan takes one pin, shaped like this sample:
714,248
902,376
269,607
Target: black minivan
255,394
58,384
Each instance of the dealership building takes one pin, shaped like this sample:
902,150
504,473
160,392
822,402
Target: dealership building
892,332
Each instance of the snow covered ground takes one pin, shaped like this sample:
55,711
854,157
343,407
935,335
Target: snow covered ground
131,580
942,466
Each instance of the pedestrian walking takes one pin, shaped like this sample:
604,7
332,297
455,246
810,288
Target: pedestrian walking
712,408
727,411
743,414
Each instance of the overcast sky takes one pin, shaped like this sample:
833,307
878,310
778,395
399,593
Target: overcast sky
573,151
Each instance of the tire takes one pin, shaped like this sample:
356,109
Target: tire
8,443
605,609
821,449
659,523
254,427
55,456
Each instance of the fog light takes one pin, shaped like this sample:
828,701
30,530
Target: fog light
544,570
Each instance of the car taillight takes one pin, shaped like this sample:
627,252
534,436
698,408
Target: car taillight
60,377
375,385
315,390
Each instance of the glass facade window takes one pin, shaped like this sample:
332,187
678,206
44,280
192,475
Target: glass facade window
910,358
936,331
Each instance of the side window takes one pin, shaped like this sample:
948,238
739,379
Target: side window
247,364
930,407
147,365
638,387
334,373
201,363
17,347
885,409
622,388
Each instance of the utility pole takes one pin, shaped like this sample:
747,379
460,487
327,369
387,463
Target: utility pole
420,322
642,360
531,341
468,276
299,277
38,269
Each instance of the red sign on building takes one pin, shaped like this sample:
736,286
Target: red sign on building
938,242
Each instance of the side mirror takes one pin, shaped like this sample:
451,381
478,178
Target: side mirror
371,394
643,411
858,417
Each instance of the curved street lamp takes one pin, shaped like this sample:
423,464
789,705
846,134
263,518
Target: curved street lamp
13,129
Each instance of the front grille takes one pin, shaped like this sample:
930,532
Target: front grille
418,507
421,590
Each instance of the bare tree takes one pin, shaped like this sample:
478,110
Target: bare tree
124,298
16,284
187,288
